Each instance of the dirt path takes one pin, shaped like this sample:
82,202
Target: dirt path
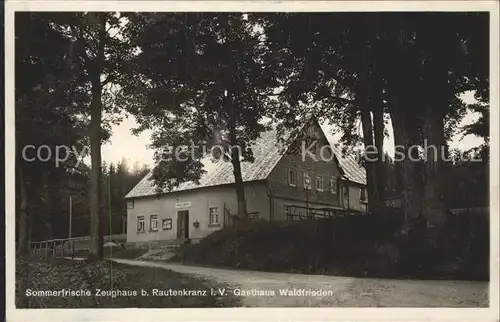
337,291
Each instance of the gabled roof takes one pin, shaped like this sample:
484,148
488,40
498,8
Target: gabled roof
267,151
353,171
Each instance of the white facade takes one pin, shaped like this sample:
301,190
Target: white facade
198,203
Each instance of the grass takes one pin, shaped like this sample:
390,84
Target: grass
115,252
33,275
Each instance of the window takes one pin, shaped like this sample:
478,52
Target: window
333,185
362,194
319,183
214,216
153,223
141,224
130,204
307,180
166,224
292,178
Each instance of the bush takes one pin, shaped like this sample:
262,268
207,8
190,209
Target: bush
352,245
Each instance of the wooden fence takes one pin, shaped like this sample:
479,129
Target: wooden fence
55,247
66,247
293,212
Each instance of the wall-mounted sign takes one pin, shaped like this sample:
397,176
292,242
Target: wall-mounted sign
185,204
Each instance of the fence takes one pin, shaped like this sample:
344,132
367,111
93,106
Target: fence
66,247
54,247
293,212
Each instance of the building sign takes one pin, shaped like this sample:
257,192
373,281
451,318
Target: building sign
185,204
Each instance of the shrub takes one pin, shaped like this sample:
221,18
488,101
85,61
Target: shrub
358,245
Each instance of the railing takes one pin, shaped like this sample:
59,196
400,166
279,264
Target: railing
64,247
56,247
303,213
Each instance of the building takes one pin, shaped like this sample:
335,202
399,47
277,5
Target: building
280,184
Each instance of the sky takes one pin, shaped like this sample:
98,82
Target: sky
124,145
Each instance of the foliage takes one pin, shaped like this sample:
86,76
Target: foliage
345,67
377,249
481,127
467,180
202,80
117,181
49,111
60,58
52,220
213,79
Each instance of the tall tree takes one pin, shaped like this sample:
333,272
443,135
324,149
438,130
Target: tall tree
47,113
212,88
81,66
341,69
52,100
329,72
438,63
101,53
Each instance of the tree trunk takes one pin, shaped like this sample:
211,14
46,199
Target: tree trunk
433,208
401,96
410,194
124,224
235,158
378,130
54,216
370,100
240,188
23,215
238,178
371,176
95,180
96,238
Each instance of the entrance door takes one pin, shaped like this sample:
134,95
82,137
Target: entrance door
183,224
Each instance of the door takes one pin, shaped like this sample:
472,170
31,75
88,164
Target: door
183,224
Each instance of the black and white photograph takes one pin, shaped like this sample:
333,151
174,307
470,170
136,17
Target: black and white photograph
252,155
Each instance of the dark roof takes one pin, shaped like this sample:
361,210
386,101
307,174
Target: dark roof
267,151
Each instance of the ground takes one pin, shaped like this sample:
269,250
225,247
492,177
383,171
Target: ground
347,291
34,275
